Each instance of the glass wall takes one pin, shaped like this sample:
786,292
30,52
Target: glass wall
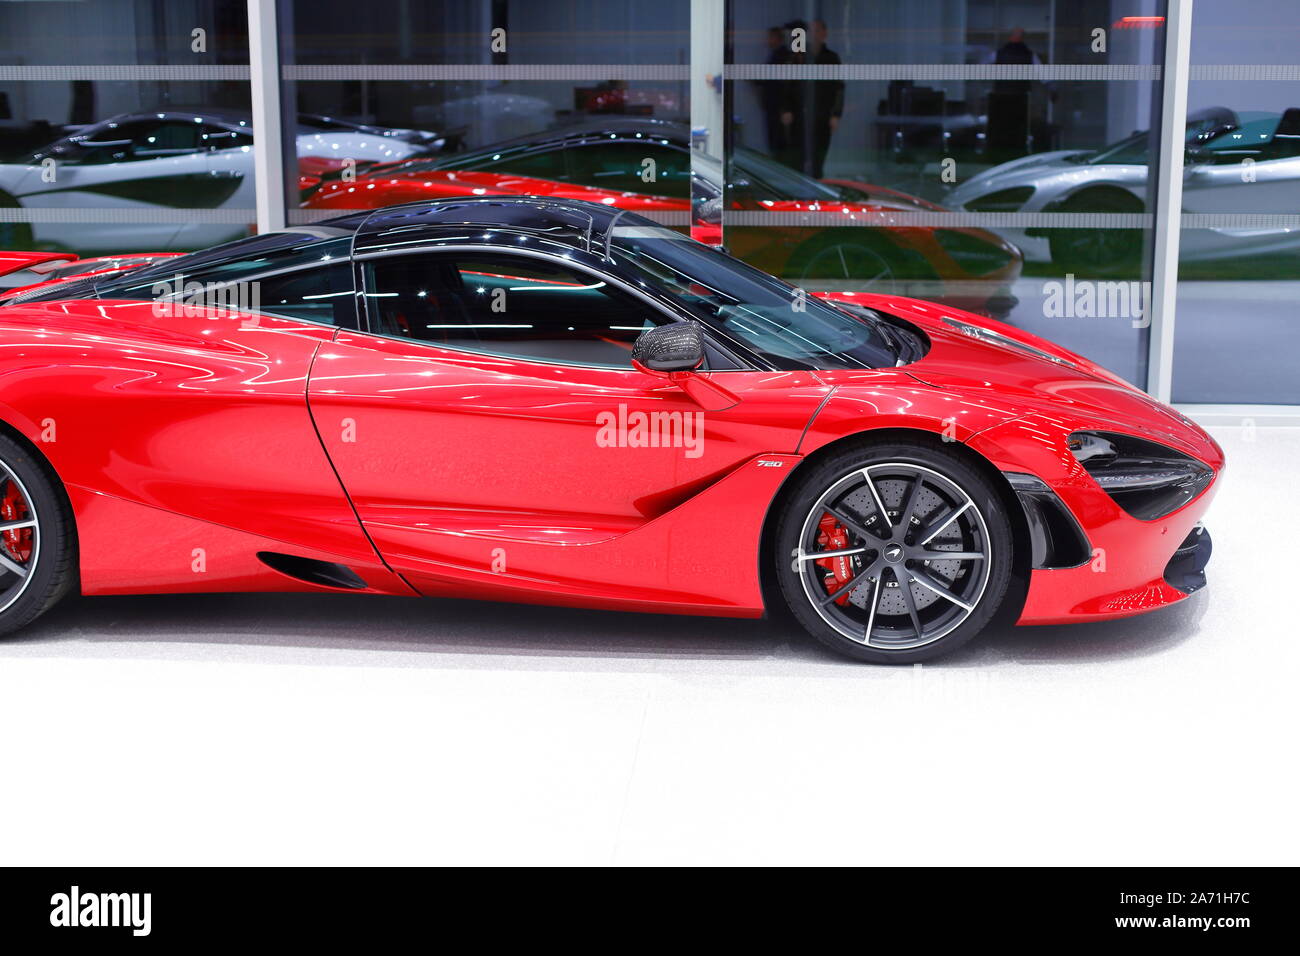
990,155
987,154
124,126
1237,338
583,99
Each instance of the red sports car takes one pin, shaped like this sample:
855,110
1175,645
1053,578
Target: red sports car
52,268
818,234
557,402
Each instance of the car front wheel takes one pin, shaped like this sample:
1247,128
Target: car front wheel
37,540
894,552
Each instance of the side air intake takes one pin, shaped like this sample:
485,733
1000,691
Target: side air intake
324,573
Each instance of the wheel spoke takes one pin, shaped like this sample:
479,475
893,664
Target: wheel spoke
932,555
13,567
852,523
905,516
801,557
15,525
848,588
953,516
906,588
871,616
875,496
926,581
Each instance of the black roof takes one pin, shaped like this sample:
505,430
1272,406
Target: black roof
568,227
486,220
561,137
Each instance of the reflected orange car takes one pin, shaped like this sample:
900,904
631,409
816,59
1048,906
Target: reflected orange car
777,218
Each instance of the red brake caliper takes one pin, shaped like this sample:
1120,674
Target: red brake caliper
17,542
832,537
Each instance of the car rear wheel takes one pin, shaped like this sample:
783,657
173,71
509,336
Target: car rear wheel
894,552
1099,253
37,541
867,266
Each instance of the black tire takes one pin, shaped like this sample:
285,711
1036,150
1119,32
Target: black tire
1099,253
897,626
872,264
51,563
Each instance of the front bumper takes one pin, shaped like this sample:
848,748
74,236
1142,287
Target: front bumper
1186,569
1133,566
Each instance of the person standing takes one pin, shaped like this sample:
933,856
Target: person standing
828,100
772,95
792,105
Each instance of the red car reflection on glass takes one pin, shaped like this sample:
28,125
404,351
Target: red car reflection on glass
53,268
823,235
558,402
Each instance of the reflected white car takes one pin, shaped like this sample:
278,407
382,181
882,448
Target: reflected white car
165,160
1235,163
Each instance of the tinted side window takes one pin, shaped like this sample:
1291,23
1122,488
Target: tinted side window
623,167
542,164
323,295
215,137
167,139
257,255
506,305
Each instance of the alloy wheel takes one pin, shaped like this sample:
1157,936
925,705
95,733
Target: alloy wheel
894,555
20,539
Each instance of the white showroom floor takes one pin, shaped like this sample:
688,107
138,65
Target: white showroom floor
299,729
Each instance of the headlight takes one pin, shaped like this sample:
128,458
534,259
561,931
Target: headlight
1004,200
1144,478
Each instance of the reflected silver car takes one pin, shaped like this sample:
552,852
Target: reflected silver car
1235,163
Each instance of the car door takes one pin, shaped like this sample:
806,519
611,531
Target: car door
491,415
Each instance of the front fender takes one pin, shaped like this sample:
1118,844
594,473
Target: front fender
898,400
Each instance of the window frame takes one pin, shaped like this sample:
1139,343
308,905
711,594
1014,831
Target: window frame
369,325
281,271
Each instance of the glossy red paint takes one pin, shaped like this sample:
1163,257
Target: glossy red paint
1125,574
472,475
392,186
18,261
1016,411
482,472
204,418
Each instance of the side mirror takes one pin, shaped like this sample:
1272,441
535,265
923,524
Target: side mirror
674,352
678,347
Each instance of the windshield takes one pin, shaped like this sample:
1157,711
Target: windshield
1215,125
1132,151
779,180
786,326
1256,130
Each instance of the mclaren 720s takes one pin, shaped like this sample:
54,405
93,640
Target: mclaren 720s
552,401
